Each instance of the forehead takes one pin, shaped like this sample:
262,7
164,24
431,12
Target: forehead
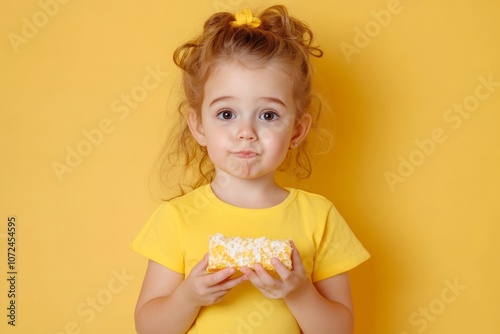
248,80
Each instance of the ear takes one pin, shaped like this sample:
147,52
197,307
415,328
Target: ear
301,130
195,126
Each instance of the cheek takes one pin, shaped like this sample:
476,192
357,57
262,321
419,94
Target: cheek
217,144
276,134
277,143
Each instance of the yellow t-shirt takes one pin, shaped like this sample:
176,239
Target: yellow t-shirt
176,236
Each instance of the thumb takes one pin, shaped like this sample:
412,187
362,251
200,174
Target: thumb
201,266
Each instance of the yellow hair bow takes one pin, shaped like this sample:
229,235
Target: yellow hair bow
245,17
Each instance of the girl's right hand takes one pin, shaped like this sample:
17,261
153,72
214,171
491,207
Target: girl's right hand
204,289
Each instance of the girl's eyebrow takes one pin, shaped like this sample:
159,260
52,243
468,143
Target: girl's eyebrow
265,98
274,100
222,98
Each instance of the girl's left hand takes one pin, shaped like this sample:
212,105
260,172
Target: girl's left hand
289,283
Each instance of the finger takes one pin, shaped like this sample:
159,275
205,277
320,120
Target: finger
280,268
223,288
263,275
201,266
231,283
248,273
251,276
220,276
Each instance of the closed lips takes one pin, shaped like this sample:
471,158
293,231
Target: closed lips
245,154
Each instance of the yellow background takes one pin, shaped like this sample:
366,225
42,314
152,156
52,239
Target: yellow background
435,226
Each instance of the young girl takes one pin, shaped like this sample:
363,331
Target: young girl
247,82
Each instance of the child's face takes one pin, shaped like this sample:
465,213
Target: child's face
248,120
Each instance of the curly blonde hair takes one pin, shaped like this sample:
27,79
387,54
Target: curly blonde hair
280,39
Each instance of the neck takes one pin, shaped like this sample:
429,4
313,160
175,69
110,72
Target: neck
257,193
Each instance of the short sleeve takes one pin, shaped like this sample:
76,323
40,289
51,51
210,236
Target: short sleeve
339,249
159,239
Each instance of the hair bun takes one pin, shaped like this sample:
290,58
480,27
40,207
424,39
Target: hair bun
277,20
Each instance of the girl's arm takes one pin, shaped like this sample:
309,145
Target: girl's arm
322,307
168,303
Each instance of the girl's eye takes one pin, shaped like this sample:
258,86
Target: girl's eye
269,116
226,114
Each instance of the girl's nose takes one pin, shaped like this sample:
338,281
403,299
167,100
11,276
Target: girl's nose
247,132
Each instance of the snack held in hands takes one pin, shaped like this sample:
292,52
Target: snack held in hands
238,252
